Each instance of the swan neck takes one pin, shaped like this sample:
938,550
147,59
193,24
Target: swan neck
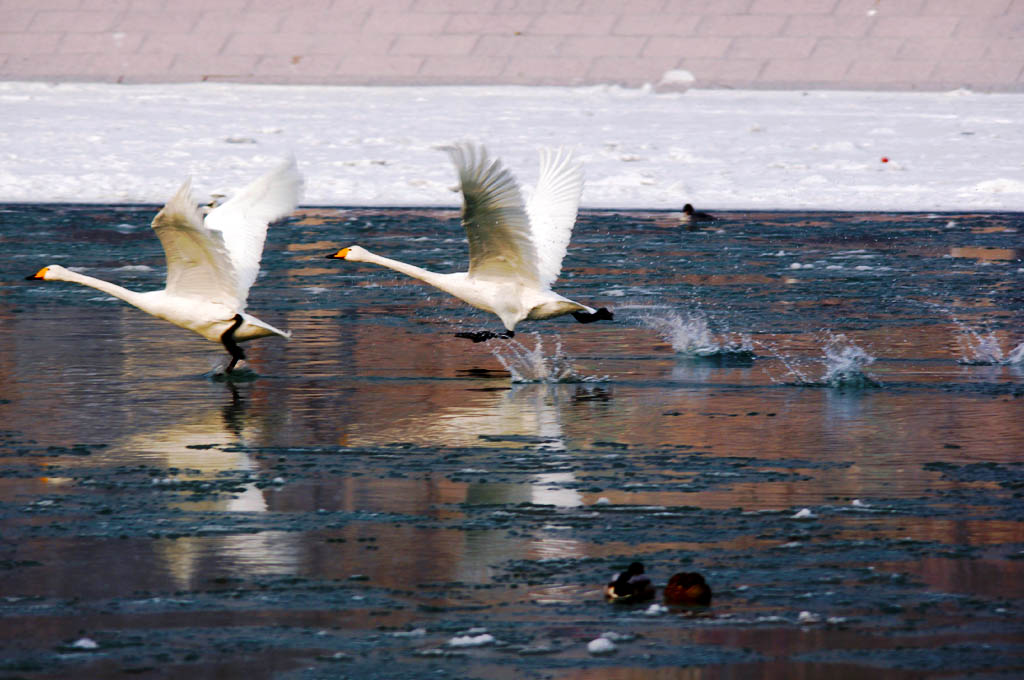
415,272
129,296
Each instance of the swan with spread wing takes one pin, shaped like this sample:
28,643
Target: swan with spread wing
515,249
212,260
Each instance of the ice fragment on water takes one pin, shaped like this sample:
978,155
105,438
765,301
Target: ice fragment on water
804,514
601,645
471,640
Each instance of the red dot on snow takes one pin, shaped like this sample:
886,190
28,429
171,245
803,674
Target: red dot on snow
885,159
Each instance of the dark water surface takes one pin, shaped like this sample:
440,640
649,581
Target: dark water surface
821,412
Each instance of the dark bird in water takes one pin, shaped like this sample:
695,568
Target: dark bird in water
688,587
691,216
631,585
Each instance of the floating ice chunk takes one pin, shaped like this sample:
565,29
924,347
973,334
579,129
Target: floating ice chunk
805,513
603,500
471,640
85,643
858,503
415,632
806,617
618,637
655,610
601,645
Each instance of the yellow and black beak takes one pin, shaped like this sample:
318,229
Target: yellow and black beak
38,276
340,255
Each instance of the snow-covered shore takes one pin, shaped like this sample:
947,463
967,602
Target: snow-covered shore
378,146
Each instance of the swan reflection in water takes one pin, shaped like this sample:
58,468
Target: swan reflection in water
196,447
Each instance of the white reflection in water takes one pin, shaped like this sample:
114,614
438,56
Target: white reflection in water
194,447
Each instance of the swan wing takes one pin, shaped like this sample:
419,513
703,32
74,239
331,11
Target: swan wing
242,220
198,265
552,209
497,228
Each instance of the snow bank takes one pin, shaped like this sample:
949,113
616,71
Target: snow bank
379,146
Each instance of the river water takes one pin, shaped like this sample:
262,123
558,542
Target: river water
820,412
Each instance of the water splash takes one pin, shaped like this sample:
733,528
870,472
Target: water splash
691,336
527,365
844,362
978,347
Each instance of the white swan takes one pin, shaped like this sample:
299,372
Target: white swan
515,251
211,262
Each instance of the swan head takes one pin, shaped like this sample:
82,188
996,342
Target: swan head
53,272
687,209
354,253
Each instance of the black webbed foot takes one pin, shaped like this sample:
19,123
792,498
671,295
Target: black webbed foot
600,315
482,336
228,339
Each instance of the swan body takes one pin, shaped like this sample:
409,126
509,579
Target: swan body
212,260
515,249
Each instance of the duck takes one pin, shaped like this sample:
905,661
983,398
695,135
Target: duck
515,248
213,257
631,585
691,216
687,588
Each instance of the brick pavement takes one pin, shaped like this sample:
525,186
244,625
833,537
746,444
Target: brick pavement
781,44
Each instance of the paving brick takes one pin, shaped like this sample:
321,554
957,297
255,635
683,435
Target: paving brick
451,6
914,27
387,67
1006,49
656,24
826,26
936,49
242,22
538,6
967,7
298,67
775,48
29,43
518,45
706,7
1008,26
630,71
792,7
158,22
964,72
723,71
761,26
280,6
133,67
320,22
213,67
889,72
811,71
546,70
39,5
504,22
405,22
101,43
450,70
603,46
183,43
440,45
573,24
686,47
877,8
15,20
78,21
871,49
623,7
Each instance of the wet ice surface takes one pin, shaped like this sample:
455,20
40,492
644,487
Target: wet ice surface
819,412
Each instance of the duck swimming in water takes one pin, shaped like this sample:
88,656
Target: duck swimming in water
631,585
691,216
688,588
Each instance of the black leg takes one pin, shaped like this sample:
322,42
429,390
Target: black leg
228,338
600,315
481,336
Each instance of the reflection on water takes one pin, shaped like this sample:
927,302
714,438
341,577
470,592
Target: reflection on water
733,389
